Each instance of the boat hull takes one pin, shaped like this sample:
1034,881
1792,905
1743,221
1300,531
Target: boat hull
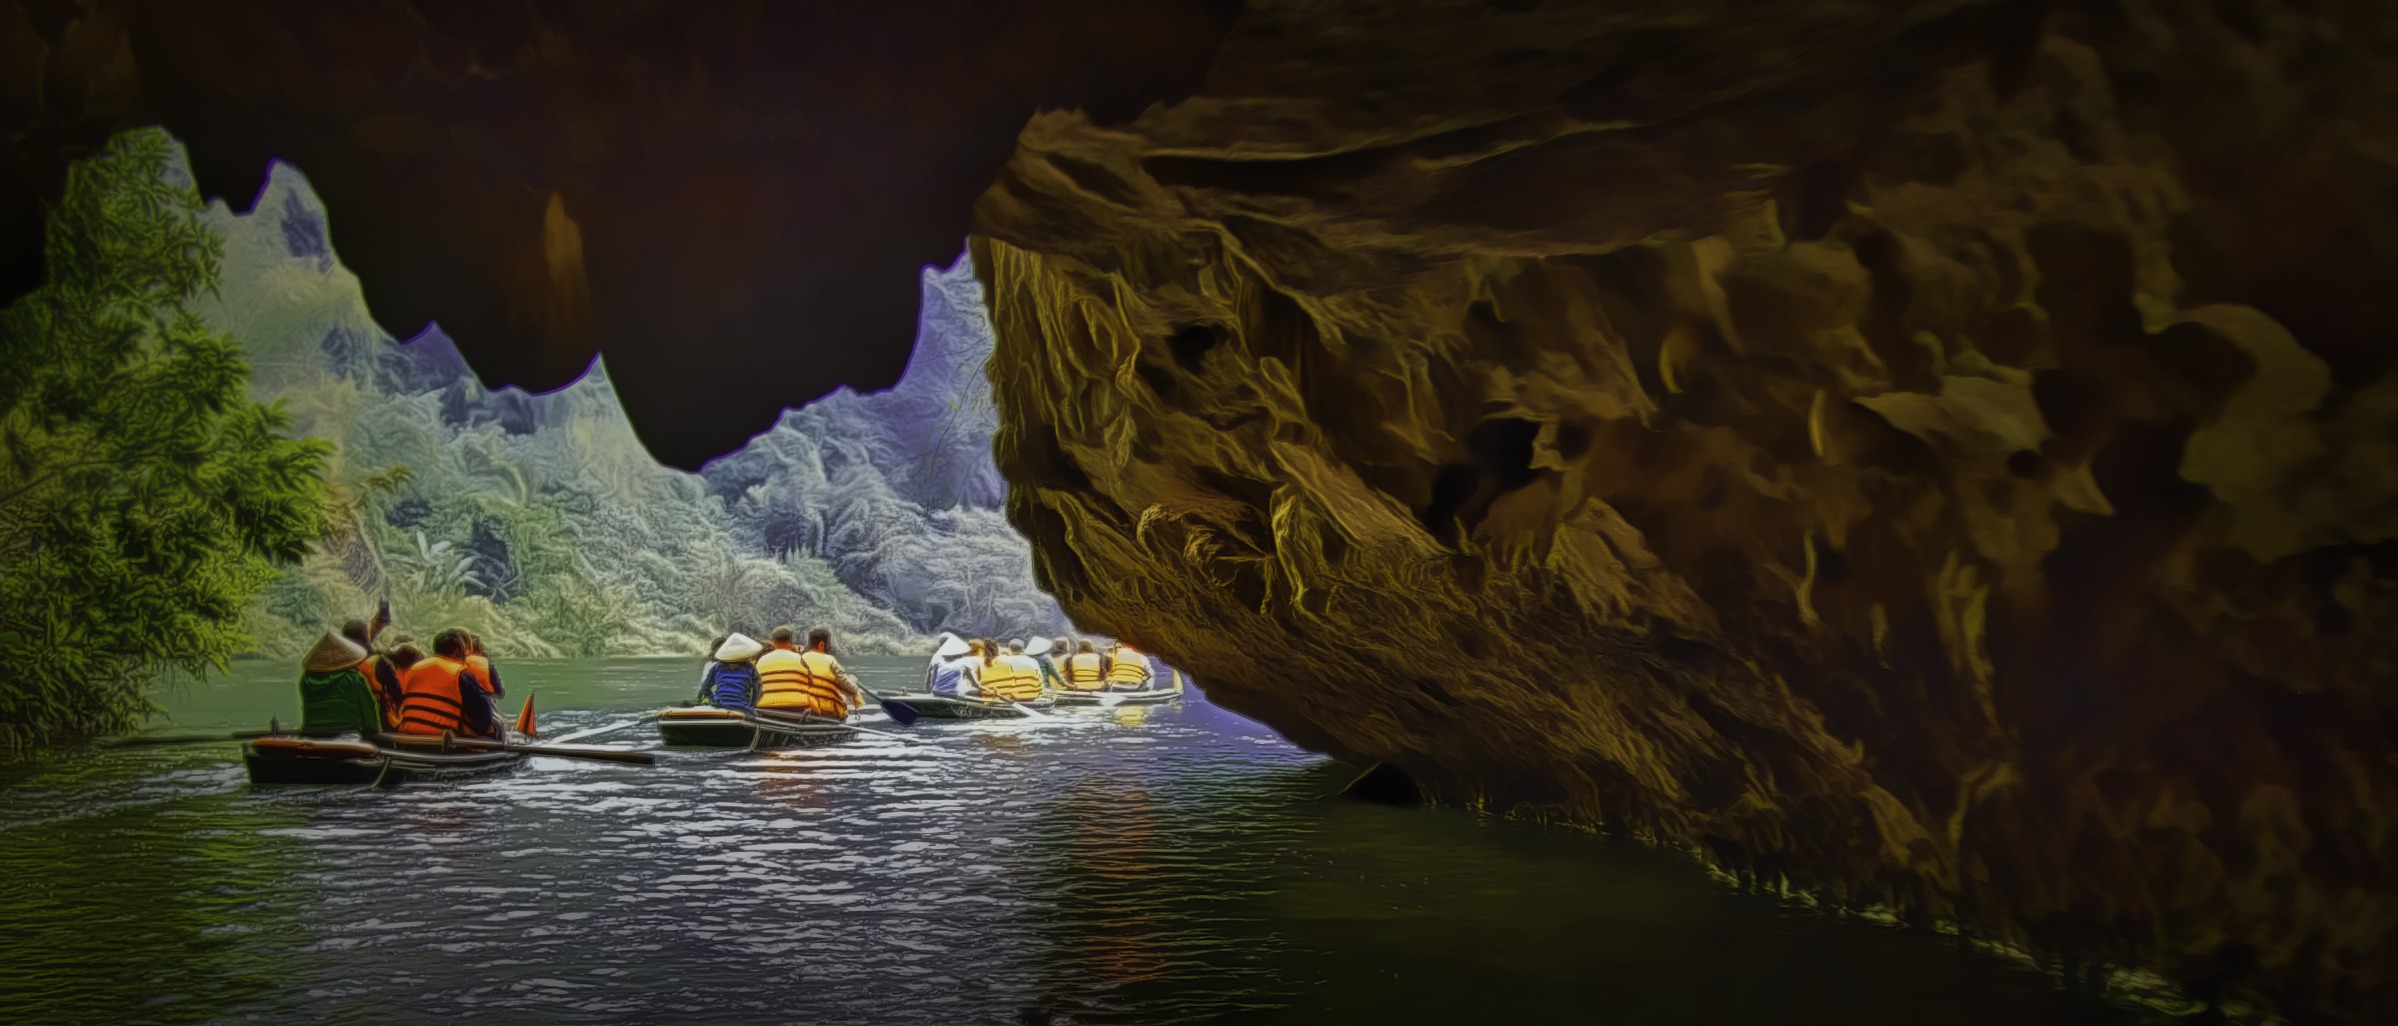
726,728
943,707
283,762
1088,699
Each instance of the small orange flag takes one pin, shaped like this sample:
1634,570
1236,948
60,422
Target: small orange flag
524,720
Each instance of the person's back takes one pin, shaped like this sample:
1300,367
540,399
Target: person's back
334,696
731,681
382,678
486,677
1012,676
1130,670
955,678
792,681
1086,670
733,686
440,693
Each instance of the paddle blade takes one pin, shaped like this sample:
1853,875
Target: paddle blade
900,712
524,719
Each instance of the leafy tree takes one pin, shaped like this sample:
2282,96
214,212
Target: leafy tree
143,497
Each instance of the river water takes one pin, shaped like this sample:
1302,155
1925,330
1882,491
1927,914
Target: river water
1160,865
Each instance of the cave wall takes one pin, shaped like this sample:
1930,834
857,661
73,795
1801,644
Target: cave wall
1941,454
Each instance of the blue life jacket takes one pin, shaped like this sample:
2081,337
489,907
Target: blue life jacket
730,685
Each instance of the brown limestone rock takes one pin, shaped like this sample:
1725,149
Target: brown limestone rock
1945,454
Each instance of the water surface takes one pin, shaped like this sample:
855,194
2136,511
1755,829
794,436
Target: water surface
1159,865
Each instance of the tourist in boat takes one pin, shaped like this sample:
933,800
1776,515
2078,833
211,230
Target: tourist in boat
1011,676
334,695
404,655
731,681
441,693
479,662
810,682
1128,669
1086,669
955,670
1040,650
382,678
707,668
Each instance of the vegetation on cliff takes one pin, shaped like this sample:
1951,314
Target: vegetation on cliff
541,522
144,498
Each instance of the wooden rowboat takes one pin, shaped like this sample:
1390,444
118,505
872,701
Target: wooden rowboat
341,761
945,707
1087,699
711,727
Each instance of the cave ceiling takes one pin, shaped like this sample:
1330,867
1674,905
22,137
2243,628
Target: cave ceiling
727,200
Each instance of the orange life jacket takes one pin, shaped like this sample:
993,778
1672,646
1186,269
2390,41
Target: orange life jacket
809,681
430,697
482,668
1085,671
386,706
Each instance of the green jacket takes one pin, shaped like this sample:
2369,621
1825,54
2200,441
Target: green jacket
337,701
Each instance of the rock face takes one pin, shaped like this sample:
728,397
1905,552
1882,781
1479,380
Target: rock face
1943,454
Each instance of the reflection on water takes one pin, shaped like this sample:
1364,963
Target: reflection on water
1136,865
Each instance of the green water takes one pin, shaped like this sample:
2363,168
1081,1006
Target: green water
1159,865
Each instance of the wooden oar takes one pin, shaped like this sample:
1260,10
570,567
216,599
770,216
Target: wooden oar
405,741
813,718
610,729
146,740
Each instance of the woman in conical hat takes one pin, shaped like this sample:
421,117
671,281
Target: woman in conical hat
731,681
334,698
953,671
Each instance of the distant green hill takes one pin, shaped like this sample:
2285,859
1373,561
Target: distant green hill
540,522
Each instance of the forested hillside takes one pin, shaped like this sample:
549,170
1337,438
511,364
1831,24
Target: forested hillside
540,522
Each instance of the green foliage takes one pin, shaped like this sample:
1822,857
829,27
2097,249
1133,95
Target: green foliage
143,497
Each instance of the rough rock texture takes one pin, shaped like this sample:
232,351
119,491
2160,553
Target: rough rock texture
1942,453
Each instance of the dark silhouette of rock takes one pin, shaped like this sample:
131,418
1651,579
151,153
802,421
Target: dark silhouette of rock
678,185
1944,455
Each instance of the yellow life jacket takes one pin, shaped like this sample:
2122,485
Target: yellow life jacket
805,681
1132,668
1084,671
1007,678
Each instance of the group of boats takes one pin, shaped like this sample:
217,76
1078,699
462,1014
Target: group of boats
277,757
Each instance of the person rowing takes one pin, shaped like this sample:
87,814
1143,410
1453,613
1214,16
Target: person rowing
334,695
1086,669
1128,669
955,672
810,682
731,678
1040,652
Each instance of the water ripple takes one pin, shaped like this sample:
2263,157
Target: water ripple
1174,866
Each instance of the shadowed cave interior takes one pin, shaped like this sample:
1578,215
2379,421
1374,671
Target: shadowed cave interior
1937,455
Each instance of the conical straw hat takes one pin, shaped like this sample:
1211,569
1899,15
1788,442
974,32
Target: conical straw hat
952,648
333,652
1037,646
738,648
